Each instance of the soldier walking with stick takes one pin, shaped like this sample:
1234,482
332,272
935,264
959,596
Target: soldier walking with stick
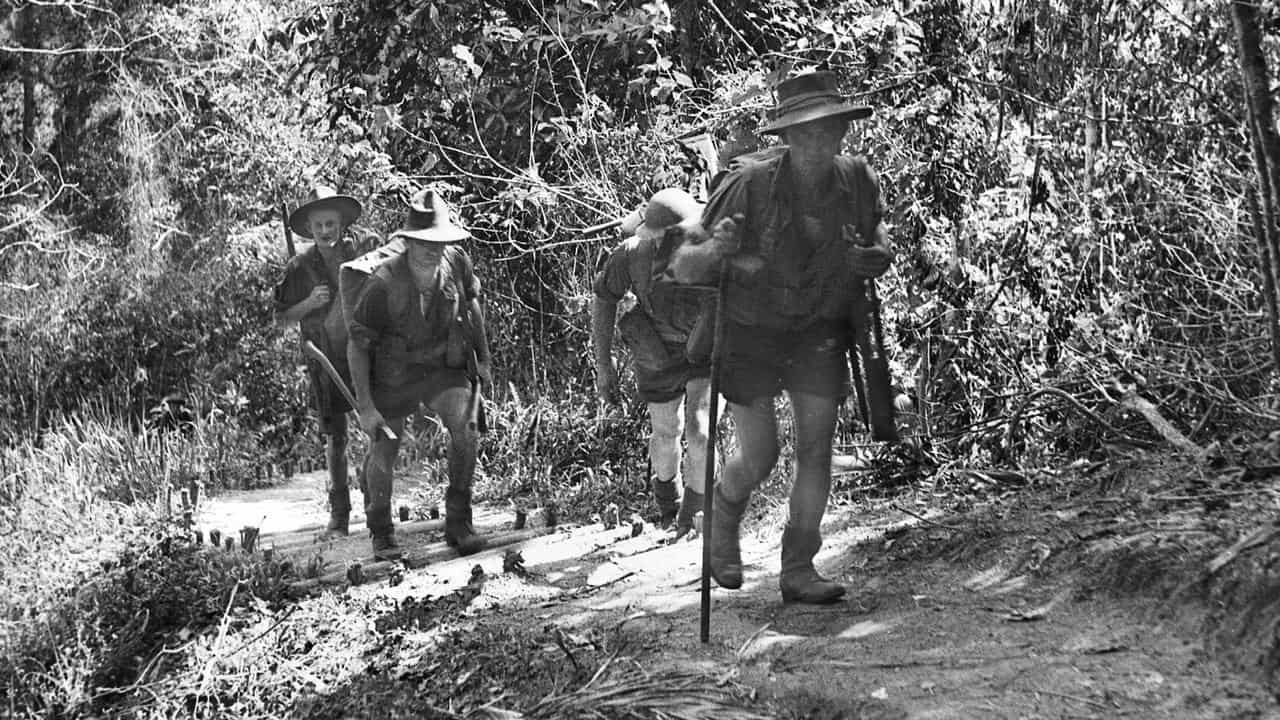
807,225
307,295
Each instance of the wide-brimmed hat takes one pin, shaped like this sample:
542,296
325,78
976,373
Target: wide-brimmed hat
809,97
323,197
429,220
667,207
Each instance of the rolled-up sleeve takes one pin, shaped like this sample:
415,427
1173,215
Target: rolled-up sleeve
614,279
369,317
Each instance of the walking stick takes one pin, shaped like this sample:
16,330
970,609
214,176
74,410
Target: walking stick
708,488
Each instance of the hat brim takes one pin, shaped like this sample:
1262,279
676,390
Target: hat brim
443,234
348,207
849,111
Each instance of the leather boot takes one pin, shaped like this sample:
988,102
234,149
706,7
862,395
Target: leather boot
383,531
339,485
799,581
664,494
726,554
458,532
376,484
339,512
690,504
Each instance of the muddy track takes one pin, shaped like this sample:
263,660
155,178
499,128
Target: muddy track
1021,610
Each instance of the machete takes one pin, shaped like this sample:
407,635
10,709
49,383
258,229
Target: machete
310,349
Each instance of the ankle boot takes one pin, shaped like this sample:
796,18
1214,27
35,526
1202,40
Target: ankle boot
458,532
376,485
383,531
799,581
726,554
664,494
690,505
339,513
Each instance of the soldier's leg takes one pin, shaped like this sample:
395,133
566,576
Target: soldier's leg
451,401
750,378
664,457
335,428
378,468
817,379
697,399
757,432
662,389
697,402
815,421
757,452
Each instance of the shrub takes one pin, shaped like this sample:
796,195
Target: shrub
95,574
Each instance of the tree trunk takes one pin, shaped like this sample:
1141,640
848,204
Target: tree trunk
1266,148
1268,277
24,30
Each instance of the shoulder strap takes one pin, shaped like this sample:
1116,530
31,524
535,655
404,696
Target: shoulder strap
458,266
640,258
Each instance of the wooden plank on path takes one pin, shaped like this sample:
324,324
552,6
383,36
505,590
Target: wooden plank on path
378,569
284,542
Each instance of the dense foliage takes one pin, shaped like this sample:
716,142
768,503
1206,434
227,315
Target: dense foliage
1066,196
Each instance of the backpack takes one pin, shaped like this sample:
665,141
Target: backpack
355,274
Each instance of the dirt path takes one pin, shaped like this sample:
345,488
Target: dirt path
919,636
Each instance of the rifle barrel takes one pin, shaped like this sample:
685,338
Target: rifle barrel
586,232
288,231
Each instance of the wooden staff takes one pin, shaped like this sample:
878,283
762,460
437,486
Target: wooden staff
708,489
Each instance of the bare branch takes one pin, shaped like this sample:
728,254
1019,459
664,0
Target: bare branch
70,50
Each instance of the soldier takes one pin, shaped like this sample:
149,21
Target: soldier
806,221
657,330
307,295
418,338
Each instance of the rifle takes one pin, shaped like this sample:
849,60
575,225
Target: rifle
475,406
876,399
288,231
588,232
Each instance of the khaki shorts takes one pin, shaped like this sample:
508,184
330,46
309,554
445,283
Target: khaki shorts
760,362
401,401
665,384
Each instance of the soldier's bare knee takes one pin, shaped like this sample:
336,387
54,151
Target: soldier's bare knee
668,432
810,450
760,457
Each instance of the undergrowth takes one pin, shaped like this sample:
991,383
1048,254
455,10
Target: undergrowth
561,453
96,573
